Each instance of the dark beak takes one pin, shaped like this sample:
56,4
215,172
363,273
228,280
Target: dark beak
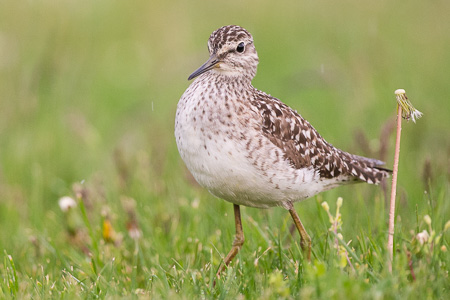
211,63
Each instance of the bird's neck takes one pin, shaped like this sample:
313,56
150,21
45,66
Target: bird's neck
226,80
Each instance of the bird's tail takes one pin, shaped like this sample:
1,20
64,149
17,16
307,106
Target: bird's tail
366,169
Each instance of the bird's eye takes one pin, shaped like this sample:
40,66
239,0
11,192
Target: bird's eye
240,48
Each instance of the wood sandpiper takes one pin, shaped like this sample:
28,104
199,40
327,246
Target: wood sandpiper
251,149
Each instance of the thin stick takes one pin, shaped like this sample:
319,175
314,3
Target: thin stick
390,245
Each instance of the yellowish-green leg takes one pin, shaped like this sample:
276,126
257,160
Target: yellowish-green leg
305,241
238,240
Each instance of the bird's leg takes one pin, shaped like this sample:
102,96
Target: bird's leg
305,241
238,240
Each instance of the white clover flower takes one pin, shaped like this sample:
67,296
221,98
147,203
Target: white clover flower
66,203
422,237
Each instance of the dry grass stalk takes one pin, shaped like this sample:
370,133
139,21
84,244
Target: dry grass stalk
407,111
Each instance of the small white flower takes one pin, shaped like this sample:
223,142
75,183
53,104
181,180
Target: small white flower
66,203
133,231
325,206
422,237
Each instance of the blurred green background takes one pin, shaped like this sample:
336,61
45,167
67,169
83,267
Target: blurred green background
88,93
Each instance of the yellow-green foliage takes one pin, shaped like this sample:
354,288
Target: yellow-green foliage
88,92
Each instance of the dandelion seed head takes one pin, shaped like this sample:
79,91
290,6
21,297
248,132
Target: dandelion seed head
66,203
408,110
415,114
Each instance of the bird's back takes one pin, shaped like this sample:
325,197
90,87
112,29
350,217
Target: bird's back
304,147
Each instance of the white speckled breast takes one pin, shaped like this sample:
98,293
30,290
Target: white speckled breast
219,138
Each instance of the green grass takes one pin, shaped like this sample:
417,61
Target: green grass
88,93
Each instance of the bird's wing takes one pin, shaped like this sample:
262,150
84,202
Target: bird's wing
304,147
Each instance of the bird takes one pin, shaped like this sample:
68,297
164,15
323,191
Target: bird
249,148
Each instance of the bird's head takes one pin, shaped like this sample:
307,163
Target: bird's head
232,53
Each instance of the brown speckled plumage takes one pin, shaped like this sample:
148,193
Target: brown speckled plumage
285,158
248,147
303,146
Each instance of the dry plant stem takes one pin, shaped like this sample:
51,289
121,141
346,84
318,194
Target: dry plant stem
335,232
390,245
